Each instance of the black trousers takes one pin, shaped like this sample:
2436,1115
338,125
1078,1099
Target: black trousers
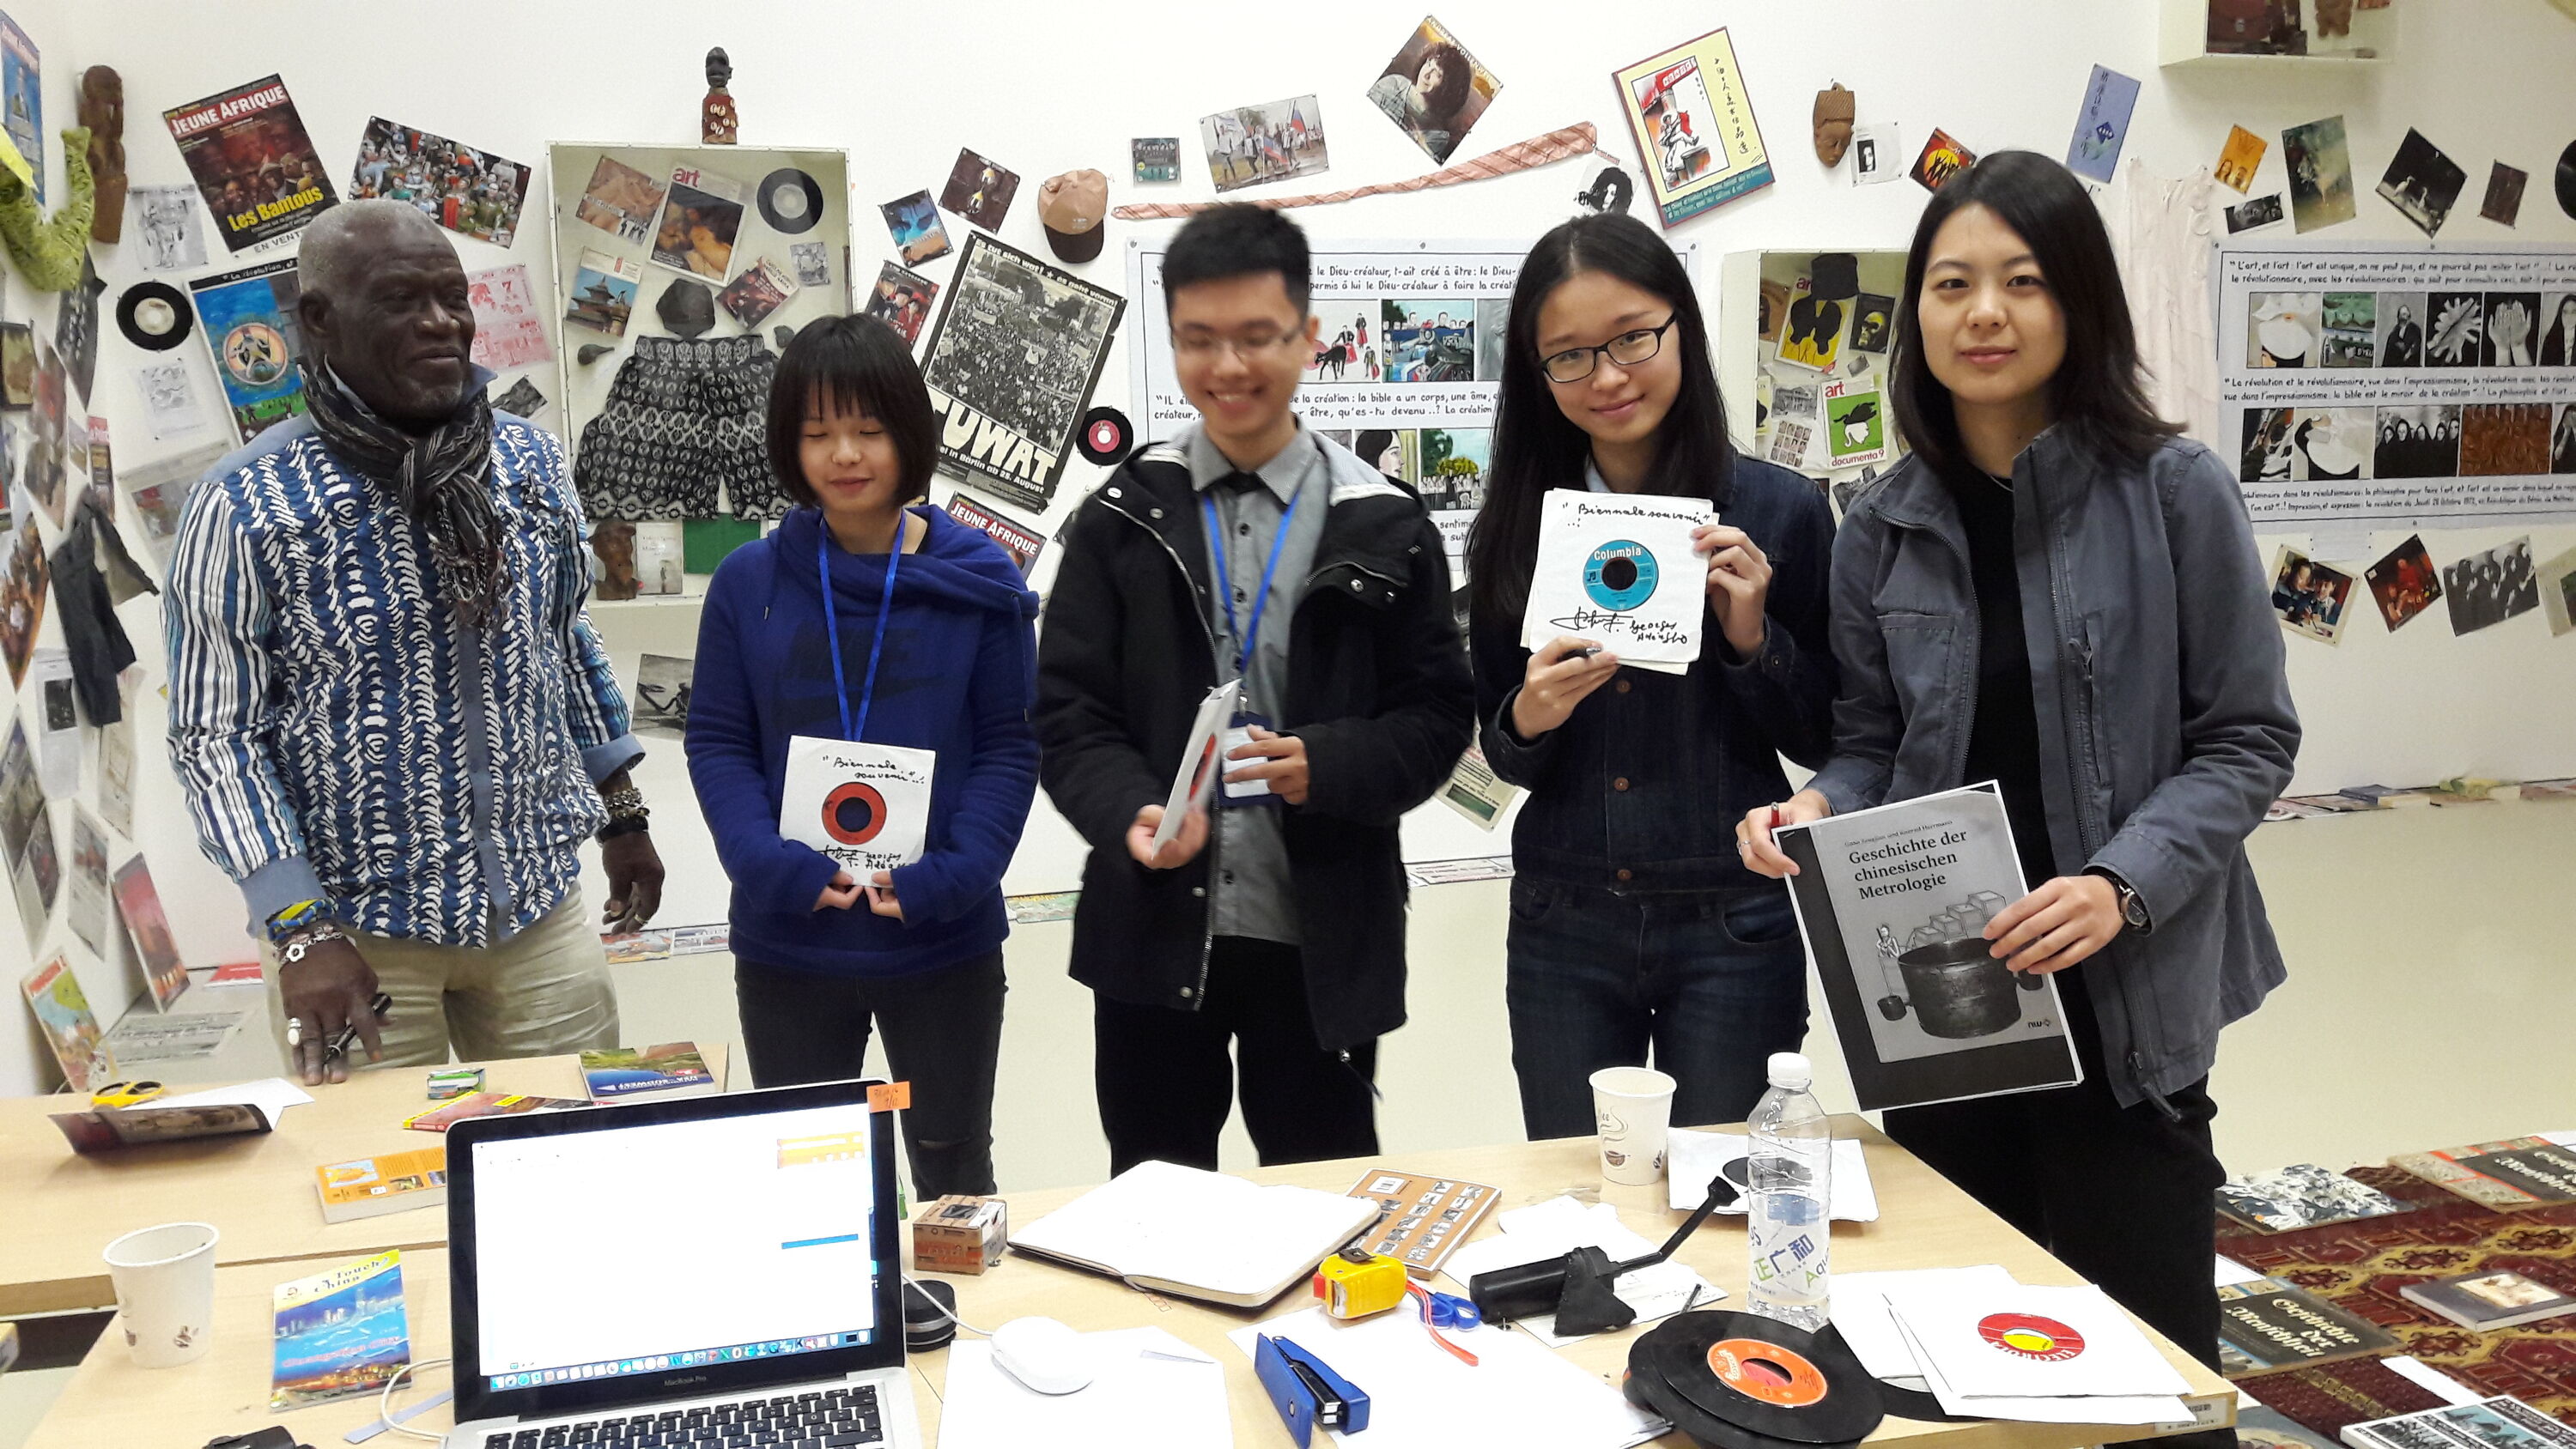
2120,1194
943,1032
1166,1082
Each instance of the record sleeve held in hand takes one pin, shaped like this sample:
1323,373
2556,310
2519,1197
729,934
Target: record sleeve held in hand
1894,904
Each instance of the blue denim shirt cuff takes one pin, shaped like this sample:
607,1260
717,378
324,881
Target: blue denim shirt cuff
1772,660
602,761
275,886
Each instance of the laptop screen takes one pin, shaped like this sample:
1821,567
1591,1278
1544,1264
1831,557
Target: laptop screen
674,1245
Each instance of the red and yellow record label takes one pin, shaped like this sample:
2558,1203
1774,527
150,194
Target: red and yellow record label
1766,1372
2028,1335
856,792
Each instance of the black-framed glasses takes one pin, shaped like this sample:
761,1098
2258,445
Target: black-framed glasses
1627,349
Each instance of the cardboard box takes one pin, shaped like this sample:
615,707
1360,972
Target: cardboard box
959,1234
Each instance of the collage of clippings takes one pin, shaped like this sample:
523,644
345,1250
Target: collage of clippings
1820,406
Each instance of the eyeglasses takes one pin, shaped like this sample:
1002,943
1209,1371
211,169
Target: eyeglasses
1627,349
1208,345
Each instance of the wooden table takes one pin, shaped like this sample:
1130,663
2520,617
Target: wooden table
1925,1222
63,1209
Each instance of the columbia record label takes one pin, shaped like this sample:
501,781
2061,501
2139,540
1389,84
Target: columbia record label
1620,575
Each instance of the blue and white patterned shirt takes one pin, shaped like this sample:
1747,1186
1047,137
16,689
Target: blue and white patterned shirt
340,735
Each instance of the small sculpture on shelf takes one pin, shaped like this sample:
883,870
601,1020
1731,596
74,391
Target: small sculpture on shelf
717,121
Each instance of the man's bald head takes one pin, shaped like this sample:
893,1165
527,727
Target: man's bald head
384,303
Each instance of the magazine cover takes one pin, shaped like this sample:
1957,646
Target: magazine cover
339,1333
155,949
919,235
620,200
250,328
701,218
1016,351
1021,542
469,192
763,288
54,994
1893,903
1694,122
253,163
603,292
671,1068
22,94
1434,90
902,300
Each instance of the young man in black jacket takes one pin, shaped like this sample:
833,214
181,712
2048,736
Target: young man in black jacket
1248,547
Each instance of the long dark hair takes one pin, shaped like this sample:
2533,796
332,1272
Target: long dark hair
2096,394
855,363
1537,447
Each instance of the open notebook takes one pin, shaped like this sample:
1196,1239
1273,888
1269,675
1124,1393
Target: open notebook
1197,1234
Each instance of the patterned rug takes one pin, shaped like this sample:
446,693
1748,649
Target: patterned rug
2362,1265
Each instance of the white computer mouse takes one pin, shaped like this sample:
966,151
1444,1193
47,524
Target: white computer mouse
1043,1354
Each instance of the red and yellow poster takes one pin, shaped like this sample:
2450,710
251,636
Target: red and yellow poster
252,160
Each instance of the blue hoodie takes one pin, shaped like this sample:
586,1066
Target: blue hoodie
957,677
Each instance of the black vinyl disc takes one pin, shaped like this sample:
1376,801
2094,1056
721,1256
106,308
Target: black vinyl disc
155,316
1760,1374
790,201
2567,179
1651,1393
1106,437
1919,1405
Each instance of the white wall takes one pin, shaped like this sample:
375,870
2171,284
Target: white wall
1044,89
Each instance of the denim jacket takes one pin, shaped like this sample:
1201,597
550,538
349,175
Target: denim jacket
1641,787
2165,723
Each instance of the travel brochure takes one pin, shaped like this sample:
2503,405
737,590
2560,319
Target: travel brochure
338,1334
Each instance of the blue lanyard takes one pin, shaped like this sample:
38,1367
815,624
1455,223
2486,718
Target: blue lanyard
832,627
1247,635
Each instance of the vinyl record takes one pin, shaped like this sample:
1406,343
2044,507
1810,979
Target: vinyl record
789,201
2567,179
1619,576
1919,1405
1106,437
1760,1374
1647,1391
155,316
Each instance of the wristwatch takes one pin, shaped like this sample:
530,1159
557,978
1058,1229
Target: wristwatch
2133,911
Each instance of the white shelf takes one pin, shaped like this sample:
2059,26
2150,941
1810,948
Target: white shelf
2183,42
693,593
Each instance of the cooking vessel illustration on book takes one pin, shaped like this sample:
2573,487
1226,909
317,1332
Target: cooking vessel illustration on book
1946,974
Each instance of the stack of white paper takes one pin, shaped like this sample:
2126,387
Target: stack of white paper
1557,1227
2052,1355
1696,1157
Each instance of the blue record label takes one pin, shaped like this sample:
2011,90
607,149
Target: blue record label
1620,576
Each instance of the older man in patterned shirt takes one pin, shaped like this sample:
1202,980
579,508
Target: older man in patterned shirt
390,716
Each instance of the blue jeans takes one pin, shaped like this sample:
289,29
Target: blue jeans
1715,981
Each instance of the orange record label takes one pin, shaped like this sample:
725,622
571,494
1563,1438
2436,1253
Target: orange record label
859,826
2028,1335
1766,1372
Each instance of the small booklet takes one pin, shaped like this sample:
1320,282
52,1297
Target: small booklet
1194,1234
1618,568
484,1104
339,1334
1201,765
393,1182
673,1069
2267,1325
1422,1219
1894,903
2302,1195
105,1129
2486,1424
2509,1176
2490,1300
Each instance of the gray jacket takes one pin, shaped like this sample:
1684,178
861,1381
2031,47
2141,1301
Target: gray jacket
2165,723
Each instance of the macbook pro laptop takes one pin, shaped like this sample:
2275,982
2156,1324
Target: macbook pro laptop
716,1271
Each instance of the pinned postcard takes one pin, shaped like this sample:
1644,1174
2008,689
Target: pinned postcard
2238,161
1694,124
1878,153
1196,777
1620,569
2102,127
866,806
1855,422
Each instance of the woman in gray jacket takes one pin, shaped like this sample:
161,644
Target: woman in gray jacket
2057,594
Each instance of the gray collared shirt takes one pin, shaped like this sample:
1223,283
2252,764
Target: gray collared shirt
1248,885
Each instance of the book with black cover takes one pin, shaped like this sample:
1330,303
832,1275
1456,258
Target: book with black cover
2268,1325
2490,1299
2509,1176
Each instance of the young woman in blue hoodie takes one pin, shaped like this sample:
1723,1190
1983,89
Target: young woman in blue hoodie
866,618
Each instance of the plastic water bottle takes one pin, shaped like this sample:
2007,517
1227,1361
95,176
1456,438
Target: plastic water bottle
1787,1223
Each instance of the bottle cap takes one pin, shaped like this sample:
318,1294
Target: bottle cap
1790,1070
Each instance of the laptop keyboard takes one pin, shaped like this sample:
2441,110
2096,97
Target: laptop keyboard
830,1419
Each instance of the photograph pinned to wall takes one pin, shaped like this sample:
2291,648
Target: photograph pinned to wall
2266,455
48,426
1011,363
2256,213
88,909
2239,159
1429,339
621,200
250,328
102,472
1873,322
2308,597
1021,542
1350,341
76,329
2422,183
62,1012
509,331
22,795
2459,327
1856,431
2417,442
919,235
1447,466
22,107
2503,204
763,288
812,263
2330,445
662,686
1273,141
2558,592
2562,441
1790,400
701,219
978,190
1156,159
902,301
169,393
2504,440
603,292
1812,336
2399,318
2320,167
1791,439
1434,90
1694,122
470,192
1775,308
2485,589
1878,153
252,161
17,364
2281,328
2351,327
2102,124
1942,157
2404,583
2512,327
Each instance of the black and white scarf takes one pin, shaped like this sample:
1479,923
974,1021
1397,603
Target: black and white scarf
440,479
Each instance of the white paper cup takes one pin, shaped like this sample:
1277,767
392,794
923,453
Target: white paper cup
1633,1106
165,1291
